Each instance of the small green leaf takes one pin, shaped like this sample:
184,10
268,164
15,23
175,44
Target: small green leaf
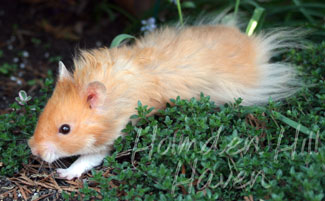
188,4
253,22
134,116
293,124
22,95
139,104
119,39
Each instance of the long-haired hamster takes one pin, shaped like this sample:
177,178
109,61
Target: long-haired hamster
89,107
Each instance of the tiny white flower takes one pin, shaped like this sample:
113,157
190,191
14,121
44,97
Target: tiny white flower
98,43
13,78
12,38
35,196
25,54
22,65
151,20
10,47
15,60
46,55
19,82
148,25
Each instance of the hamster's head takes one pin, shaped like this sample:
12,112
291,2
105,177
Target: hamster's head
72,121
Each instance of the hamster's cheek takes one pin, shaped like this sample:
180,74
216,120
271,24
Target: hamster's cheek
76,144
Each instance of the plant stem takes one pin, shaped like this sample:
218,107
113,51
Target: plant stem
236,7
304,12
179,8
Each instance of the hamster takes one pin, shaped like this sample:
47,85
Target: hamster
89,107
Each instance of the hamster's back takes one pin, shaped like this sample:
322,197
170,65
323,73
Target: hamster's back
216,60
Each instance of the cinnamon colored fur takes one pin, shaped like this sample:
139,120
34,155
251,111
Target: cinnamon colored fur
102,93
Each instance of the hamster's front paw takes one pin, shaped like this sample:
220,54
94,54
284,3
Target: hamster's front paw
68,173
81,165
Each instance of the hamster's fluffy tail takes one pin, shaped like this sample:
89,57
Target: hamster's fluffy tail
277,80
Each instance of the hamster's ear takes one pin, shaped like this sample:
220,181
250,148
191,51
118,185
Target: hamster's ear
96,94
63,72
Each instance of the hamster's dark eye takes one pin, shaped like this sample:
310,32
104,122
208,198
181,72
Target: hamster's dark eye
64,129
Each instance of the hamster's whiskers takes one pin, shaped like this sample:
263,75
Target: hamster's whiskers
39,169
61,164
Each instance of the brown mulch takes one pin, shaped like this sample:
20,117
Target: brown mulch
41,182
38,180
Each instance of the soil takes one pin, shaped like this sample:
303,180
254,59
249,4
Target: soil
35,34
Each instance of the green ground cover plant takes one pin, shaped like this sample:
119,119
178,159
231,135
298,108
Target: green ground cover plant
198,151
17,126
